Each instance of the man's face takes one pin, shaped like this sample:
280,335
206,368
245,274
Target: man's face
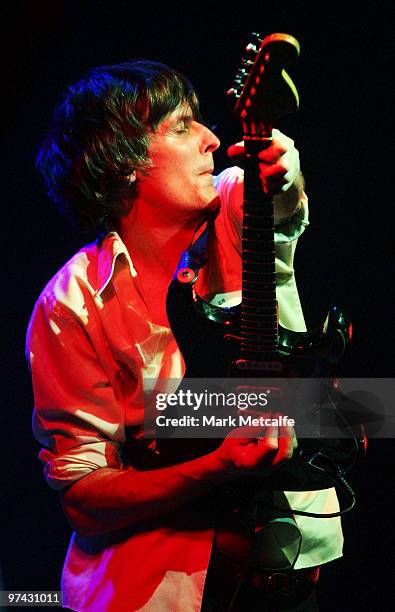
180,176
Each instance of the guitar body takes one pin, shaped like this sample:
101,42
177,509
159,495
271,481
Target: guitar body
209,339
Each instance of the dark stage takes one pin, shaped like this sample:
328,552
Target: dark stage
344,78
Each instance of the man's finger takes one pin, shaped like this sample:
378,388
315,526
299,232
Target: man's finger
236,151
272,154
285,444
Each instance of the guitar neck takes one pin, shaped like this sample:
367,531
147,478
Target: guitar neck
264,93
259,321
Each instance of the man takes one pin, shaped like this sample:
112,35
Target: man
127,153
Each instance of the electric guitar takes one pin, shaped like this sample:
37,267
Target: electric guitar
248,341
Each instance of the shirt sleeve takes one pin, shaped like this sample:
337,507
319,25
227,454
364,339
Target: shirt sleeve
77,417
229,185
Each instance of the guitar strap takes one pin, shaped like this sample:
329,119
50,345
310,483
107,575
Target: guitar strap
194,258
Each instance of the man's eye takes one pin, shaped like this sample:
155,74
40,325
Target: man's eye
182,128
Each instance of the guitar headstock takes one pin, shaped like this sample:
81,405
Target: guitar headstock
264,90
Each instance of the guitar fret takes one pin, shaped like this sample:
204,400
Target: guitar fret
259,349
257,306
254,204
264,290
261,319
265,324
266,346
260,277
261,252
261,316
256,294
262,307
252,257
264,300
260,235
257,234
259,338
260,242
265,295
257,313
257,268
256,208
254,217
264,229
253,266
259,326
262,280
261,322
260,343
259,346
256,301
271,347
260,246
270,254
260,303
260,334
267,281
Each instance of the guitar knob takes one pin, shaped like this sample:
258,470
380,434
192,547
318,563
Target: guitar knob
186,276
246,62
255,38
251,48
233,92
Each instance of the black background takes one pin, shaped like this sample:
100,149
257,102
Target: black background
343,131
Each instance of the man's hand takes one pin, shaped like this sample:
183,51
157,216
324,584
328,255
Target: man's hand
270,447
279,164
279,171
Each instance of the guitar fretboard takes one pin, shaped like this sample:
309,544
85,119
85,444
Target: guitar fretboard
259,321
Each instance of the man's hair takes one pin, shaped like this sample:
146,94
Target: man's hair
99,136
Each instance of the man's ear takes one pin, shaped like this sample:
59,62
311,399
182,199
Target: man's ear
132,177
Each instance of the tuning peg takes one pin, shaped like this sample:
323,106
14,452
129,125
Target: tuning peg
251,48
233,92
255,37
246,62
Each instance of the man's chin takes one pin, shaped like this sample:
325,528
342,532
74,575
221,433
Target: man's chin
214,202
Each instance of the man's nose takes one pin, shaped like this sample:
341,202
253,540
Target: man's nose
209,140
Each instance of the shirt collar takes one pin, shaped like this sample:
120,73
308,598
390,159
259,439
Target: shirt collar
110,249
